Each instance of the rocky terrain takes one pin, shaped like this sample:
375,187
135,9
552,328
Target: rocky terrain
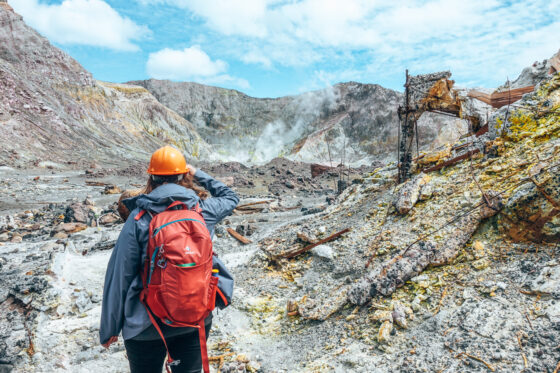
452,283
342,269
354,122
52,110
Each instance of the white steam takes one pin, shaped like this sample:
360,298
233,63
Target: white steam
275,138
278,137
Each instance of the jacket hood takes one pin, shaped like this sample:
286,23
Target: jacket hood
161,197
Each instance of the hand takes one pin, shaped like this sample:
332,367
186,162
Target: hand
111,340
192,170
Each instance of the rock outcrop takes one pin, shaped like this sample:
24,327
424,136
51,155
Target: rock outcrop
52,109
351,121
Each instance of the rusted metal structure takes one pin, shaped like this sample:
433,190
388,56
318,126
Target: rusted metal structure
425,93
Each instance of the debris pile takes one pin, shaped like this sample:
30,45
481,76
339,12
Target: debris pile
444,258
55,220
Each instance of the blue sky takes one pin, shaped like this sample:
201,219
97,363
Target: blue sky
271,48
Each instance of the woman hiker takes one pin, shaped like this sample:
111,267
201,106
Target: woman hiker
171,180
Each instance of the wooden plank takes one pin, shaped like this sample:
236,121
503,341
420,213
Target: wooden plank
452,161
242,207
244,240
499,99
309,247
482,130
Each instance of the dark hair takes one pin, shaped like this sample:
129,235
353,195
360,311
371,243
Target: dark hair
186,181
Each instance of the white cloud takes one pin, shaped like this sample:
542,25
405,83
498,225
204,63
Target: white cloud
239,17
477,39
190,64
258,58
83,22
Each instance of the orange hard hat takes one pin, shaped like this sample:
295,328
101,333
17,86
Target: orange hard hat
167,161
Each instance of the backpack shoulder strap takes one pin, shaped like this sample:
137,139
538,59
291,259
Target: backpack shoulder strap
141,213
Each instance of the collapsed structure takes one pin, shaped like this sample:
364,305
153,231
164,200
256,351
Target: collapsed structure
427,93
435,93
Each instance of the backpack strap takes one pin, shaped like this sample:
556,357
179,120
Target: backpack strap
196,208
221,294
201,337
139,215
170,361
175,204
203,348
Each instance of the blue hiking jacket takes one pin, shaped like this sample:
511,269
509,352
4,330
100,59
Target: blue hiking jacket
121,308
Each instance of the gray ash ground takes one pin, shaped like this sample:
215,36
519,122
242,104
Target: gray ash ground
496,309
56,221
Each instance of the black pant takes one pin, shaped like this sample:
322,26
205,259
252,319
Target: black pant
148,356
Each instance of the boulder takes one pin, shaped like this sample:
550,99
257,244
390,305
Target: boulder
109,219
323,251
409,193
112,189
532,213
80,213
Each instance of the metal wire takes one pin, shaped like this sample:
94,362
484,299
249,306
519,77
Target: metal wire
468,212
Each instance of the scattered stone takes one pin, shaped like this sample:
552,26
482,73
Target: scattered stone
481,264
16,238
70,228
382,316
122,209
246,229
426,192
399,314
60,235
548,280
112,189
531,212
306,237
314,210
109,219
79,212
385,330
323,251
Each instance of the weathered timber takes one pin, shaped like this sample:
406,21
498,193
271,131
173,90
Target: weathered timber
292,254
248,211
416,257
96,183
238,237
499,99
452,161
244,206
482,130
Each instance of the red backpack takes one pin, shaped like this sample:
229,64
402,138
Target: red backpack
179,285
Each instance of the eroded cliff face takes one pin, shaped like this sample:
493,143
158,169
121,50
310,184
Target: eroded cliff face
51,109
358,122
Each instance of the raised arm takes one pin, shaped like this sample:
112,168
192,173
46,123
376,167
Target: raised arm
223,200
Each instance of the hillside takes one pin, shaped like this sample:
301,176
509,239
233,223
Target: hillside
51,109
357,121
